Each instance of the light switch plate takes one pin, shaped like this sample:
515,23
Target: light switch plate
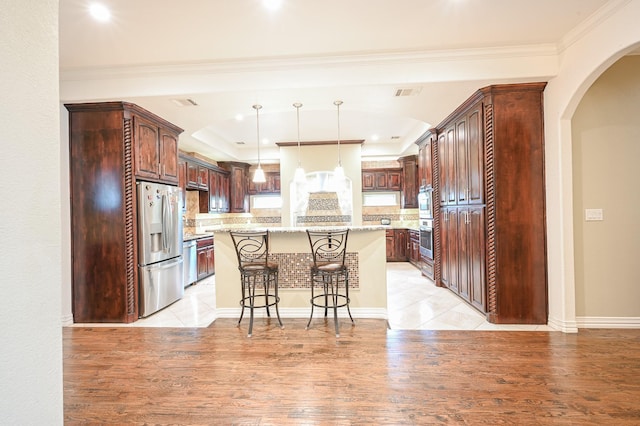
592,214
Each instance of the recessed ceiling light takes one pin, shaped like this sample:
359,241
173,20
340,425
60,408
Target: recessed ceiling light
265,141
272,4
239,117
99,12
374,137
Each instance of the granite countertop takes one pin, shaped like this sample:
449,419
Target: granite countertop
292,229
190,237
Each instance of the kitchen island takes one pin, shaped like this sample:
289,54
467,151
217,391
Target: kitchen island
289,247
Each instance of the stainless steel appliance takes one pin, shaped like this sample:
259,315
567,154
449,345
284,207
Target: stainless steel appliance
425,214
160,264
190,264
426,238
425,202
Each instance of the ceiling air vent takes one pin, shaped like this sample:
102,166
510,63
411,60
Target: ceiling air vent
408,91
184,102
395,137
239,143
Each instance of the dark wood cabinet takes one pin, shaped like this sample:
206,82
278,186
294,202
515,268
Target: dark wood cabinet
205,250
238,186
182,183
382,180
368,180
390,245
463,253
447,147
168,156
402,244
409,182
223,192
469,164
475,248
212,193
211,182
489,174
449,248
425,163
216,199
397,245
414,248
110,144
271,186
197,176
155,151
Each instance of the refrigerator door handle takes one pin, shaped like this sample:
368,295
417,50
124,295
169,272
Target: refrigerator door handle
166,223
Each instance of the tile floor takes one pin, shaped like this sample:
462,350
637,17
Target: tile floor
414,303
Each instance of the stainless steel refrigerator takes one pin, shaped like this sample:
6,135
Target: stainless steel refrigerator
160,264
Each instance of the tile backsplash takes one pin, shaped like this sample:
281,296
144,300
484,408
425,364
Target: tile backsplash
196,222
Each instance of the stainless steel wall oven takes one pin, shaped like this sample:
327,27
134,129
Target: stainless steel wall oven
425,203
426,238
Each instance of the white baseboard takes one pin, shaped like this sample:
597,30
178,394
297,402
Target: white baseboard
561,325
373,313
67,320
608,322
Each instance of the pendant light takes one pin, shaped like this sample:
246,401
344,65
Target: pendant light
339,171
258,176
300,175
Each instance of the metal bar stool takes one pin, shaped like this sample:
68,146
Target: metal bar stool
329,272
258,276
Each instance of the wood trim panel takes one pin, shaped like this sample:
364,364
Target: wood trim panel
492,304
437,218
130,226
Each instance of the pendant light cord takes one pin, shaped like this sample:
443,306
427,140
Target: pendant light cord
297,105
257,108
338,103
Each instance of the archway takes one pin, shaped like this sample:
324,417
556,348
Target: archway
581,63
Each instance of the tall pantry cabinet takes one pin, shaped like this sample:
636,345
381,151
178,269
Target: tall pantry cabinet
112,144
489,179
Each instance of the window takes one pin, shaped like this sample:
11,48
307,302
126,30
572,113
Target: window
370,199
266,202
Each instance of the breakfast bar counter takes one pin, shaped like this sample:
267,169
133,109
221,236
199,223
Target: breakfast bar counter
289,247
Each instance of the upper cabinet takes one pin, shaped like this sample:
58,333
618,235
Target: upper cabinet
216,198
469,158
218,192
197,176
381,179
271,186
409,182
155,150
461,155
425,165
211,182
238,188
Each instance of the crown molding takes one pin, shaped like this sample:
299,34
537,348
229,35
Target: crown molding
302,62
596,18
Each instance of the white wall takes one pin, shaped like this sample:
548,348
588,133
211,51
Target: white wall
316,158
31,336
581,63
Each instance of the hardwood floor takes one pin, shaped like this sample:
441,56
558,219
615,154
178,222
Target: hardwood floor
370,375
